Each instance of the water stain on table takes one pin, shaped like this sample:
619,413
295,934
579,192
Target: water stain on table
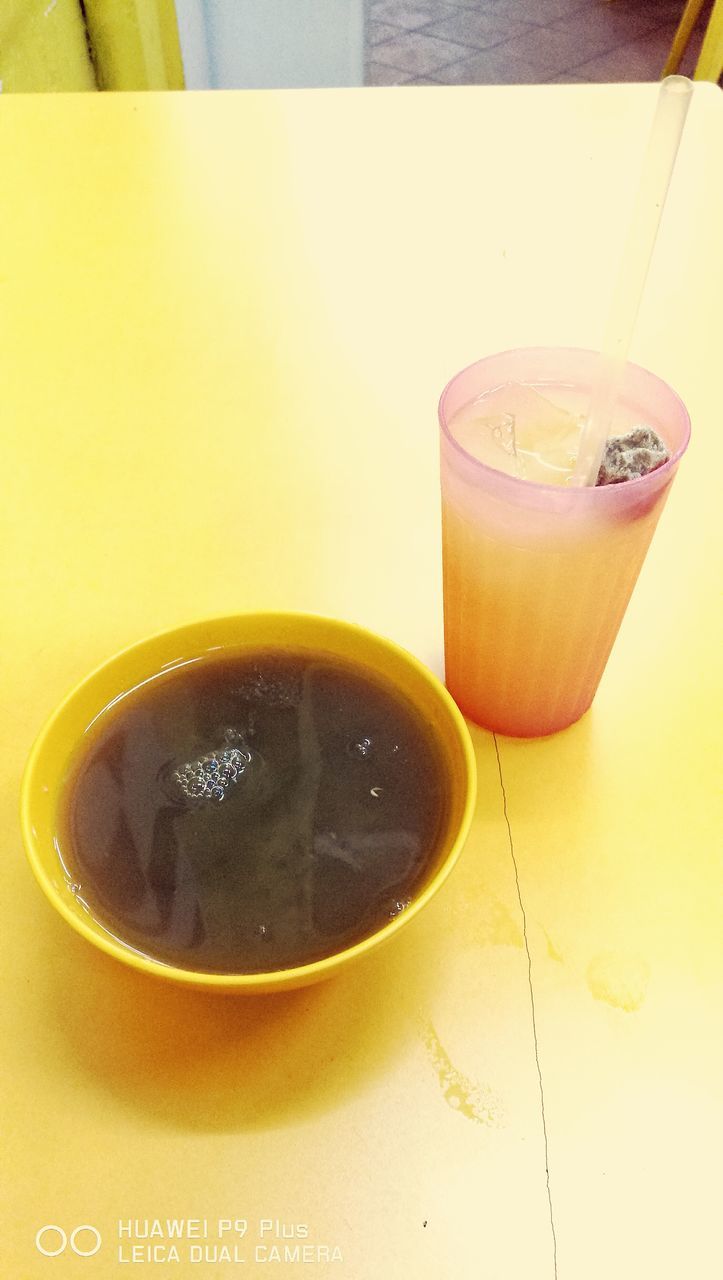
497,926
475,1102
619,979
482,919
552,950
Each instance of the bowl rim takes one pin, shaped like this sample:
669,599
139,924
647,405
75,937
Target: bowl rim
298,975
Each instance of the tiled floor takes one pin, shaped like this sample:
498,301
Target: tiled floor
522,41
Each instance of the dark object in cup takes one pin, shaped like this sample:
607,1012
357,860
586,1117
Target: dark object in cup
630,456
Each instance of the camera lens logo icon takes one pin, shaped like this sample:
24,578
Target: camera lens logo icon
84,1241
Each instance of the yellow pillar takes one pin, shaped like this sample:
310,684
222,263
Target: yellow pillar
135,43
682,36
710,61
43,47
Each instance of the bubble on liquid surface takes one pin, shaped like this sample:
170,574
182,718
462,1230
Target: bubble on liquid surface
360,748
273,687
210,777
397,906
234,737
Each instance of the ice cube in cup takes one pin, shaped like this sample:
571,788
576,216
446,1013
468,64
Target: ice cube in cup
517,430
488,437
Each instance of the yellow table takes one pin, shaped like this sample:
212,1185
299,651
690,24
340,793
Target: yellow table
226,320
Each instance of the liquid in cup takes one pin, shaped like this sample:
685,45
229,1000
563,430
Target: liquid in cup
537,576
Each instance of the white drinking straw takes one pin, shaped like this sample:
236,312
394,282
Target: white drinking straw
658,165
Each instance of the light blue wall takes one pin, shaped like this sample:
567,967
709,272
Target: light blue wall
271,44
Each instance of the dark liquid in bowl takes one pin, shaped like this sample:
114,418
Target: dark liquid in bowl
253,813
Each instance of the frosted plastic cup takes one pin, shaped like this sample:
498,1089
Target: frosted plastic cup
537,577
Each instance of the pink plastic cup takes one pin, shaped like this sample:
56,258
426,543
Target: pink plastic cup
537,577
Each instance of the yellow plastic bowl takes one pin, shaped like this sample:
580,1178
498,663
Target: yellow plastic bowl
56,748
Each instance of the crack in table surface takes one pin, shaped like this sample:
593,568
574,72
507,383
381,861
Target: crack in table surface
532,1002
